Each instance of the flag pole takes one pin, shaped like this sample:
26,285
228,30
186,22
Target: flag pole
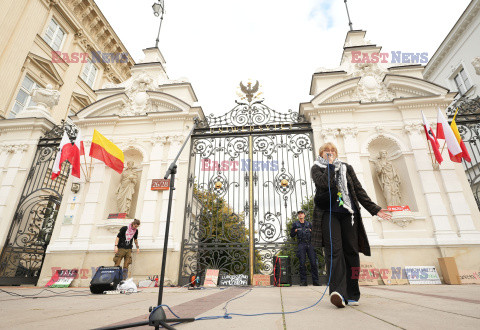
90,166
429,148
444,143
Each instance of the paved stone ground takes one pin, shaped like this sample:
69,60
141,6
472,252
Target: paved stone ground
381,307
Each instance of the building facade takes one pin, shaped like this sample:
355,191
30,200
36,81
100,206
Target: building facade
53,43
456,65
370,109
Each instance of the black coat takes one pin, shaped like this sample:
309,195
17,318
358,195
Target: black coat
358,196
303,233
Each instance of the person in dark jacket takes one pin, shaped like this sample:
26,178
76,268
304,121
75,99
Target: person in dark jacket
302,230
337,202
124,244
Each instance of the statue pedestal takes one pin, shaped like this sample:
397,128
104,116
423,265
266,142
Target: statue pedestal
113,225
38,111
402,218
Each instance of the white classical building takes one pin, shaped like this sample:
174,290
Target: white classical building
365,108
456,63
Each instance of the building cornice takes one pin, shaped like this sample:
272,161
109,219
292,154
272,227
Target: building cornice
94,33
452,37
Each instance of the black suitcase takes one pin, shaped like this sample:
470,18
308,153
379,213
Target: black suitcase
106,279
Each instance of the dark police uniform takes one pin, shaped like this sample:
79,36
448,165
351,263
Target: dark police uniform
305,248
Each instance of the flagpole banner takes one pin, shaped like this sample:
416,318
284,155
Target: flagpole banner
445,132
106,151
432,139
70,151
465,155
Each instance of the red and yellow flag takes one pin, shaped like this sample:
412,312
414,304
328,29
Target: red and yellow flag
103,149
464,154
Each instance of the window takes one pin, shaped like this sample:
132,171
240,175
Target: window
462,82
23,98
54,35
89,73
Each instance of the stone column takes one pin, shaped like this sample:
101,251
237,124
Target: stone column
11,169
352,152
437,211
150,199
174,148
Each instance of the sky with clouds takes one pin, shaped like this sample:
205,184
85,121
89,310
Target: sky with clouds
218,43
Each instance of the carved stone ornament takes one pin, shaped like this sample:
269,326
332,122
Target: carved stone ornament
45,99
402,218
370,88
476,65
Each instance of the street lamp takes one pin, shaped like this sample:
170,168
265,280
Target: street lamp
158,10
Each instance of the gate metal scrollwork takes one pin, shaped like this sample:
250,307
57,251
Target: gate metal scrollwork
468,123
249,173
32,225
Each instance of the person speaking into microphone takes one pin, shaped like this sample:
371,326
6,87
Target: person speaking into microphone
337,224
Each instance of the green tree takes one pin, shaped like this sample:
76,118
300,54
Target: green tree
223,241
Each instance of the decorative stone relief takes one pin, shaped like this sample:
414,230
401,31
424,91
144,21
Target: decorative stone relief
349,131
329,134
411,128
158,139
476,64
14,148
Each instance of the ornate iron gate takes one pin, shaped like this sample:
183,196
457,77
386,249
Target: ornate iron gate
249,173
468,123
32,225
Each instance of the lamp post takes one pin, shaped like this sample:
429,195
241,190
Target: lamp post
159,10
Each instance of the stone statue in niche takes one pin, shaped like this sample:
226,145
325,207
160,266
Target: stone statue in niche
389,180
126,190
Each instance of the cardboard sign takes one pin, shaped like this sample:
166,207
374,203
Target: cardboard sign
398,208
469,276
160,184
233,280
211,278
62,278
117,216
422,275
368,274
261,280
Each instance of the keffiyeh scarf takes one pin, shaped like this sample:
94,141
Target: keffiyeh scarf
340,179
129,233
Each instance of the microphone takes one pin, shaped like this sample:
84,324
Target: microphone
328,154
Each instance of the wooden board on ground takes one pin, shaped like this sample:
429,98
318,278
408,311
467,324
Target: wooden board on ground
211,278
469,276
261,280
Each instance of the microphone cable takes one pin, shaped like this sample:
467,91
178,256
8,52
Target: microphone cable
229,315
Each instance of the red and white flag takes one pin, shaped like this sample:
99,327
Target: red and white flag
71,152
444,132
433,140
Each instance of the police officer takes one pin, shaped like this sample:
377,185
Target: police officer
303,231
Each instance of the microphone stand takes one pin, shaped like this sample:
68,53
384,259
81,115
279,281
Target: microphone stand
157,316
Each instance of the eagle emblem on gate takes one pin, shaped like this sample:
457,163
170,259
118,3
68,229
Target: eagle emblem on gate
250,92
